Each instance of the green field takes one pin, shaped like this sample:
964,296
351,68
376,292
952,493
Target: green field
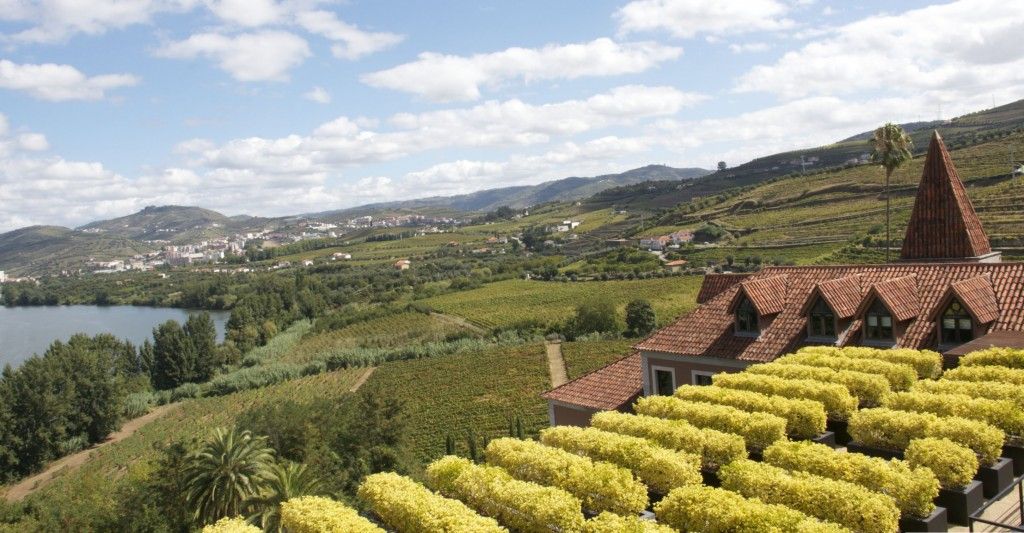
583,357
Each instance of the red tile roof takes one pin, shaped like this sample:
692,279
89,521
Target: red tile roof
611,387
943,224
715,284
898,294
978,296
843,295
768,294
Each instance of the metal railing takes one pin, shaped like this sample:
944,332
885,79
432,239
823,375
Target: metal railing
976,517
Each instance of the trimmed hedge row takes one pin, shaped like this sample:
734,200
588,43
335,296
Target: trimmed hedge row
490,491
715,447
612,523
839,502
234,525
868,388
758,430
1007,357
316,514
998,374
974,389
893,430
600,486
805,419
405,505
659,468
927,363
953,465
913,489
838,402
899,376
999,413
714,510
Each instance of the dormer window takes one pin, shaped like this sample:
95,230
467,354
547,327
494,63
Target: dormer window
746,317
822,321
878,323
956,325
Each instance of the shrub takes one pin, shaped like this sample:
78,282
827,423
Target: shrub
899,376
953,465
913,489
893,430
405,505
612,523
838,402
834,501
1007,357
804,418
926,363
868,388
999,413
659,468
716,448
316,514
137,404
974,389
600,486
186,391
712,510
996,374
520,505
758,430
231,525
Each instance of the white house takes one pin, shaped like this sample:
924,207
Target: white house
3,277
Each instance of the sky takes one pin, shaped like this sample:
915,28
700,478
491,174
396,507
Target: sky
278,107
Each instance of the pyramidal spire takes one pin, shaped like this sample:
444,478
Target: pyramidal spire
943,225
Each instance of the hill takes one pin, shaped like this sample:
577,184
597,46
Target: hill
38,249
172,223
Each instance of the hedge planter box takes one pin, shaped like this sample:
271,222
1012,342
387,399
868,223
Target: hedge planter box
839,428
1016,453
853,447
961,504
827,438
996,477
936,521
710,477
756,455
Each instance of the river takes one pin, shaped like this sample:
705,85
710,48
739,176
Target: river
30,330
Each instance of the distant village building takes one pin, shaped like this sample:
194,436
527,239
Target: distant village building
307,263
3,277
655,243
403,264
341,256
676,266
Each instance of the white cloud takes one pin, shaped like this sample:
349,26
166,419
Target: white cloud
446,78
33,142
688,18
260,56
741,48
248,13
318,94
351,42
58,83
57,20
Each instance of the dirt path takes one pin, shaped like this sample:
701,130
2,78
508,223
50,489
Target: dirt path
458,321
70,463
362,379
556,364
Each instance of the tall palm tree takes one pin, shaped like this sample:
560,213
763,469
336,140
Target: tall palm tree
229,468
287,480
890,148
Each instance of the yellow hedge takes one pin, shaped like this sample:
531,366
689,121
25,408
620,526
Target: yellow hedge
316,514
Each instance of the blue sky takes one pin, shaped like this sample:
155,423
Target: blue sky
272,107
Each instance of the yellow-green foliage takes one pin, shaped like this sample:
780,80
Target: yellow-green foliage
408,507
659,468
759,430
712,510
974,389
715,447
926,363
804,418
868,388
954,465
231,525
520,505
600,486
838,402
998,374
900,376
316,514
913,489
885,428
839,502
612,523
1007,357
1002,414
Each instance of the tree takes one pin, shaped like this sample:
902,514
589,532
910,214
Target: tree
640,318
228,470
286,480
174,360
890,148
722,166
594,316
202,338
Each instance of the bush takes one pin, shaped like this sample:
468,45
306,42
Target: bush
600,486
996,374
712,510
716,448
869,389
999,413
612,523
913,489
520,505
974,389
758,430
315,514
137,404
659,468
405,505
186,391
839,502
231,525
952,464
1007,357
926,363
900,377
838,402
893,430
805,419
640,318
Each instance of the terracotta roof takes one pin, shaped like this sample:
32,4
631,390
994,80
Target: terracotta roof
898,294
611,387
943,224
978,296
677,262
1003,339
768,294
715,284
843,295
708,330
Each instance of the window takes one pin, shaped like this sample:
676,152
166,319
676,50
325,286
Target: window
957,325
746,317
822,320
664,381
878,323
702,378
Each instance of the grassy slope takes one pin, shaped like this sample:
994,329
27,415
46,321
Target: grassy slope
583,357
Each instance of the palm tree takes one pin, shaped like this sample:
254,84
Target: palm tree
229,468
890,147
287,480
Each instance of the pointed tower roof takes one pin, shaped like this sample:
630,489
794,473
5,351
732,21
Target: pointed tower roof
943,225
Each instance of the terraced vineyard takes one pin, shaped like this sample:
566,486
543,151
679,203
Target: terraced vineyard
583,357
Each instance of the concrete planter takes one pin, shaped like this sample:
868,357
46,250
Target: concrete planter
937,521
995,478
961,503
839,428
827,438
853,447
1015,452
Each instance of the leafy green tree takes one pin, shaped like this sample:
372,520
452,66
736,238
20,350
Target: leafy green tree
285,481
202,336
228,470
594,316
174,358
640,318
890,148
